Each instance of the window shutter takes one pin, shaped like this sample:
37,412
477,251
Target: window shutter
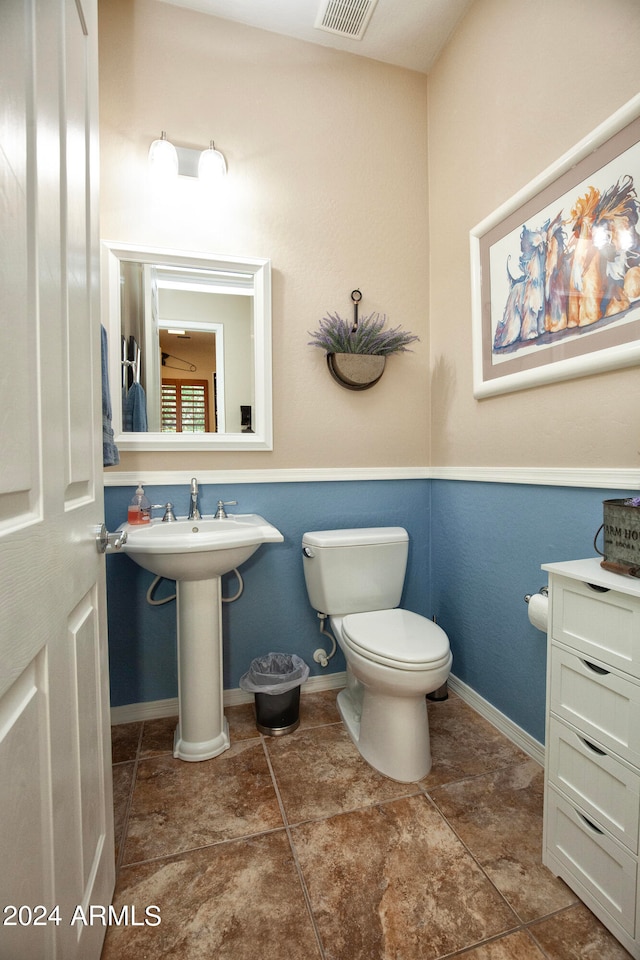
185,406
169,407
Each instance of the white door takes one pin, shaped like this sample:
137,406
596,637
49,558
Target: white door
56,833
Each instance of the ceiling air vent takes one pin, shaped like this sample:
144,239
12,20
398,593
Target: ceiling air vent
347,18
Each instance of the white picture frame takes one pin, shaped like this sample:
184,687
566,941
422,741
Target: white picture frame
577,206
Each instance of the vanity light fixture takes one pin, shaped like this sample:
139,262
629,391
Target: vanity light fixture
167,161
163,159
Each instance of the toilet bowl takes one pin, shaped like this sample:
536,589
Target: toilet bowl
394,656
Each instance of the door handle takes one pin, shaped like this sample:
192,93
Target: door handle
106,540
595,668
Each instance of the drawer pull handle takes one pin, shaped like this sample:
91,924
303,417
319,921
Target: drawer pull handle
597,588
590,824
593,748
595,668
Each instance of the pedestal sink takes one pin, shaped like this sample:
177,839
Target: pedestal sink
195,553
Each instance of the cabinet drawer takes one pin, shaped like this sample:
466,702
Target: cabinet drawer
607,790
604,868
604,625
603,705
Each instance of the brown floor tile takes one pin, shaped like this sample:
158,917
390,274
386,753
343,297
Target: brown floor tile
464,744
157,736
515,946
179,805
235,901
319,708
393,881
122,781
320,773
242,722
125,738
499,817
575,934
392,874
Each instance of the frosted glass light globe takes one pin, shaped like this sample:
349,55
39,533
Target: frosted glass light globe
211,165
163,160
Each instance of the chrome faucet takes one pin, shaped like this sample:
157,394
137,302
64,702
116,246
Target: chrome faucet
194,507
221,513
169,515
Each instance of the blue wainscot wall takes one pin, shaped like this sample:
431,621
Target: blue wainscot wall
476,550
488,541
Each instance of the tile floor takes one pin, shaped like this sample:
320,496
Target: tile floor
294,847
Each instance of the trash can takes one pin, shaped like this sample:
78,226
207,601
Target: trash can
275,682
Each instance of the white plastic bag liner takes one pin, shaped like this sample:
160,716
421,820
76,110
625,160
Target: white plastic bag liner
275,673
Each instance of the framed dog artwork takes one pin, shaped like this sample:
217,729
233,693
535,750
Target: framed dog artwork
555,271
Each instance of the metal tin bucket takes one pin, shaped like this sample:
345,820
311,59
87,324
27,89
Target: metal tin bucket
621,530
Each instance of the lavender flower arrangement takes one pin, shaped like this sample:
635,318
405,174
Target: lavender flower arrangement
632,502
336,335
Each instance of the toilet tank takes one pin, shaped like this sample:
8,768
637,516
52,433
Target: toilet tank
353,571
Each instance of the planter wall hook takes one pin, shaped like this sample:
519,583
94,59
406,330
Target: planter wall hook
356,296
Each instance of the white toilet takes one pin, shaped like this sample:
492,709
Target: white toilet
394,657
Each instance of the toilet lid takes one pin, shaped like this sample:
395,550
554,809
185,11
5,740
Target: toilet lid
397,637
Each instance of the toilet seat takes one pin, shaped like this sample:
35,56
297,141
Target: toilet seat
397,638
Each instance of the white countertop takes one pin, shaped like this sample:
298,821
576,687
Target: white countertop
590,571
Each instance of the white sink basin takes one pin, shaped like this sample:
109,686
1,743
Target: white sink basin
197,549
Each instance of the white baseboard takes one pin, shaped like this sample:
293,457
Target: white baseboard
511,730
156,709
149,710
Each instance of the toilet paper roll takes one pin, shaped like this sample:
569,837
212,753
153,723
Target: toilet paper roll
539,611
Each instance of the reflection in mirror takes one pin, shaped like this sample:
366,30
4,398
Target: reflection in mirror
190,346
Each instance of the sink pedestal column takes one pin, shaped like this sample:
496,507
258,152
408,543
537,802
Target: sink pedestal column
202,731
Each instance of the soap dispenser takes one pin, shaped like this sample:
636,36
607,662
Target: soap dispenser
139,509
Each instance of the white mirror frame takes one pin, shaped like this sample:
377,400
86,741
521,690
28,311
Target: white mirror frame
112,255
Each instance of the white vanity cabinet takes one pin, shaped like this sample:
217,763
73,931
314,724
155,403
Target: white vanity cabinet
592,791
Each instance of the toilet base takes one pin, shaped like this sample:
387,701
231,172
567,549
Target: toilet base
391,733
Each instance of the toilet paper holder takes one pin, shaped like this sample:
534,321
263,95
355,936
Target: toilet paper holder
543,590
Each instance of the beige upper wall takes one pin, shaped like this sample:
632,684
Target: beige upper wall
327,156
518,86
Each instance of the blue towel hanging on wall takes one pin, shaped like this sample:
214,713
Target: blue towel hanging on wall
134,415
110,454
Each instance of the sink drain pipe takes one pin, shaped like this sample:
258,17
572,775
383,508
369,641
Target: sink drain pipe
158,603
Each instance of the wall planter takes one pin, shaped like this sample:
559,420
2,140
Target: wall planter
357,351
356,371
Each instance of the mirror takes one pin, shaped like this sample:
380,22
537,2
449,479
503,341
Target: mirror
189,349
